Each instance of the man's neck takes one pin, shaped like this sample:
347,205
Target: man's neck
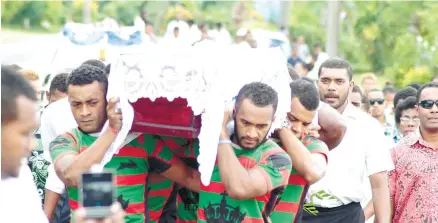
381,119
341,109
430,137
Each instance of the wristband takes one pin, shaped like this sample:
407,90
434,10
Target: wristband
113,130
225,142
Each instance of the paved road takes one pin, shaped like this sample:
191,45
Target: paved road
32,51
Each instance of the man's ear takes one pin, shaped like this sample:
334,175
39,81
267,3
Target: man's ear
48,95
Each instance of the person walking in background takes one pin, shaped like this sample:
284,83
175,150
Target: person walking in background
406,117
294,58
414,181
368,82
303,49
336,197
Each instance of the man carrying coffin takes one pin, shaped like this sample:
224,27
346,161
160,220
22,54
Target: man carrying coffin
78,149
251,170
309,160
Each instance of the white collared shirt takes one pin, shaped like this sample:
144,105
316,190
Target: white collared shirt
19,199
56,119
362,152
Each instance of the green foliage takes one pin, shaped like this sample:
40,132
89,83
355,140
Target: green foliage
124,12
14,12
10,9
305,19
389,38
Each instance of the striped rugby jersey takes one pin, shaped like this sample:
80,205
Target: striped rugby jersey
131,167
216,206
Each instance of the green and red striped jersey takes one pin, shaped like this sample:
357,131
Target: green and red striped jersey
161,199
289,208
161,194
187,200
216,206
131,166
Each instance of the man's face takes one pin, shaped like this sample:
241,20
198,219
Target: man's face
389,98
428,110
17,136
334,86
55,96
300,118
317,50
409,121
252,124
377,103
176,33
368,84
355,99
88,105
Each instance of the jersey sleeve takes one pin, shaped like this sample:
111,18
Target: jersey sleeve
276,166
160,156
63,145
316,146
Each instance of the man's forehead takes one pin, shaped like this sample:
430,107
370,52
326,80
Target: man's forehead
375,94
334,72
429,94
250,111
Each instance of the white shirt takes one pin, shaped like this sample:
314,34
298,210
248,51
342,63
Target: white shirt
19,199
361,153
56,119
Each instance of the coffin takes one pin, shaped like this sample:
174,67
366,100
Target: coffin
183,93
162,117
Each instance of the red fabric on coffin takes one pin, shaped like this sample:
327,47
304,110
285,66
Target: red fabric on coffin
162,117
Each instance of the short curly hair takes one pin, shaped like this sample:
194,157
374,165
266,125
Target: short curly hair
96,63
87,74
306,93
260,94
408,103
59,83
404,93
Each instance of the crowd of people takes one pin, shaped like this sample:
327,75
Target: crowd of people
344,154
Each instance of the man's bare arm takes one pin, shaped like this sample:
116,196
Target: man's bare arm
381,200
184,175
309,166
70,166
50,202
332,125
369,210
240,183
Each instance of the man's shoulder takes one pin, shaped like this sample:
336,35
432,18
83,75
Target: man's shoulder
57,106
314,144
275,154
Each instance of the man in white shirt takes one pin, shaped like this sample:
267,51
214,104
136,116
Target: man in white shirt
337,196
19,199
52,125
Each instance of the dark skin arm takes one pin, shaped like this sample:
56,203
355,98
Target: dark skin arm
332,126
50,201
239,182
184,175
311,167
